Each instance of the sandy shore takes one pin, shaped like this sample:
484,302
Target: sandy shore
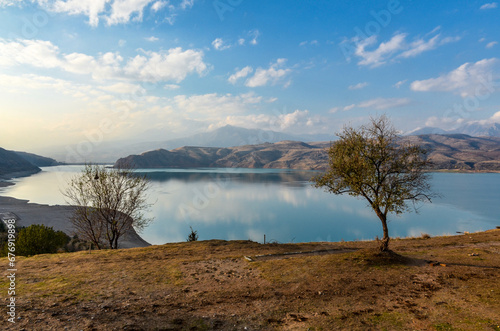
56,216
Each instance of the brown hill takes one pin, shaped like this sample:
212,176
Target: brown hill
461,152
448,152
285,154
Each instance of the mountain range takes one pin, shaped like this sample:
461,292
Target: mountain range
227,136
448,152
474,129
284,154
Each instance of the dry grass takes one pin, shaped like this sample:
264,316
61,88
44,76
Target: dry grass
210,286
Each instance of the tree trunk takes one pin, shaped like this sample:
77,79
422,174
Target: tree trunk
384,244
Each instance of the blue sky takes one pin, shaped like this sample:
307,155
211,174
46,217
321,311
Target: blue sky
107,70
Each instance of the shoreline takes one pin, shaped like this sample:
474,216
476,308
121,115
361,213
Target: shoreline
56,216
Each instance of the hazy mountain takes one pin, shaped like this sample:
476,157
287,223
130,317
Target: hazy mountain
37,160
227,136
474,129
230,136
426,130
451,152
12,165
481,130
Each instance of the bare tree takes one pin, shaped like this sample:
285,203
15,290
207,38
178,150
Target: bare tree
372,162
108,204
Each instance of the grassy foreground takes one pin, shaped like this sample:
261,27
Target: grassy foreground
211,286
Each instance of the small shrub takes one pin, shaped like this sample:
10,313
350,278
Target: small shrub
39,239
193,236
425,236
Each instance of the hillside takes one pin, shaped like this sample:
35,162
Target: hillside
441,283
448,152
285,154
461,152
12,164
37,160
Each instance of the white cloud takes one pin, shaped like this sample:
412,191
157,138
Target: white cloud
240,74
158,5
296,121
384,103
254,34
358,86
496,117
122,11
124,88
25,83
218,44
397,47
466,79
312,43
215,106
172,65
490,5
420,46
152,39
42,54
241,41
400,83
92,9
445,123
272,75
171,87
382,53
186,4
346,108
111,11
491,44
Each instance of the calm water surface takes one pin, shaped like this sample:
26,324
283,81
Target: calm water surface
282,204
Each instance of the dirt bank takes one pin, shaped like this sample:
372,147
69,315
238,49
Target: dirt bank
56,216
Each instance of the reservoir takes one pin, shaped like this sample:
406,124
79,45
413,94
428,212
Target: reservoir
282,205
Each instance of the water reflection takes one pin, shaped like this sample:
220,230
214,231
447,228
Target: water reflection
288,177
282,204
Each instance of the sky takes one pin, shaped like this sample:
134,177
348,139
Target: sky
97,71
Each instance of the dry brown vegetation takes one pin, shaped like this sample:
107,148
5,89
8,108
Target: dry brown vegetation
440,283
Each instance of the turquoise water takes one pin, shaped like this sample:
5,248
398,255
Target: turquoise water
282,204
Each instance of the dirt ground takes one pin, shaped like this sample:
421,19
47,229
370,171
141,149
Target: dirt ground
441,283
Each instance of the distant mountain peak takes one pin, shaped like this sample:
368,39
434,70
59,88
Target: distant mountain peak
474,129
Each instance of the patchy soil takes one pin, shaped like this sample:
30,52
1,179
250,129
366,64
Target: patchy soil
441,283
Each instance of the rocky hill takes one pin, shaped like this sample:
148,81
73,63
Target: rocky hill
461,152
12,164
448,152
285,154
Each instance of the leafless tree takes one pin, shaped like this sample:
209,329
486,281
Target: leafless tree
108,204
